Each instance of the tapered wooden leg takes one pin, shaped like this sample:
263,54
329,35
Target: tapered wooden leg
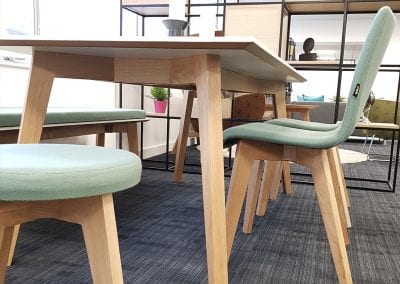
329,210
182,138
208,83
100,139
237,191
343,210
132,133
252,195
37,99
286,180
6,236
337,171
270,183
97,218
341,178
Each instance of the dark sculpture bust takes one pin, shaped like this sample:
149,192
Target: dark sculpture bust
308,45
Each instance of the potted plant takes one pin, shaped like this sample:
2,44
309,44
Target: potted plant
160,97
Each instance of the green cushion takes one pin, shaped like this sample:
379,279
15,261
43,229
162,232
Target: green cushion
60,171
364,75
267,132
10,117
308,125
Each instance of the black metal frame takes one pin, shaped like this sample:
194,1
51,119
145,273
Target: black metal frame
340,68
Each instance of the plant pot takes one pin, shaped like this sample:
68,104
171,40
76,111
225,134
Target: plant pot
160,106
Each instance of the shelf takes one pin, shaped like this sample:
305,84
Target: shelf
147,7
338,6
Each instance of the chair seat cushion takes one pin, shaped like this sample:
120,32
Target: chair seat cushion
12,116
301,124
267,132
58,171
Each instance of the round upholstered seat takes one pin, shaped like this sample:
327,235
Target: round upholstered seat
57,171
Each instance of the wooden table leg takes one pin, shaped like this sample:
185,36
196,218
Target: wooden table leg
208,81
41,81
182,138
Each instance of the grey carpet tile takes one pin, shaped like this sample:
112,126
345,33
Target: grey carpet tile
161,234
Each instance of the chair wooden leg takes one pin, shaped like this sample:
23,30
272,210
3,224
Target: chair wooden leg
329,210
237,190
96,216
342,180
343,210
132,133
270,183
337,172
286,178
252,195
6,237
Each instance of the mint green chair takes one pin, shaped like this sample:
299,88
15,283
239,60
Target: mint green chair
73,183
310,148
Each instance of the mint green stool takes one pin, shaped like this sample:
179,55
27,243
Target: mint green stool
267,141
73,183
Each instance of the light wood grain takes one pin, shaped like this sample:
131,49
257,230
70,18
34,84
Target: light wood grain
182,138
6,238
343,181
317,161
94,214
252,195
208,83
237,191
133,138
260,21
329,210
270,185
340,200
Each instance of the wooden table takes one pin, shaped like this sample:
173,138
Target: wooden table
207,65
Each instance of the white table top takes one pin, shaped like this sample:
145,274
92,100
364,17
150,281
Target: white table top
244,55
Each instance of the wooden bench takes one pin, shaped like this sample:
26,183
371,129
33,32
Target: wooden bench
69,122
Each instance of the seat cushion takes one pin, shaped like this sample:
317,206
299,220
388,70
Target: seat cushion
271,133
10,117
60,171
301,124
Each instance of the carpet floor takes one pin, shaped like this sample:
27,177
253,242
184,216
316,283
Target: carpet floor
161,235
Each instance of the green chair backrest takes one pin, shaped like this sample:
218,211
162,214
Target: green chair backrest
367,67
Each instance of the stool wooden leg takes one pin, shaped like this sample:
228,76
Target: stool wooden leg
132,133
252,195
6,237
329,210
270,183
96,216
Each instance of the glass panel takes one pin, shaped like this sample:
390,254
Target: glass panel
318,84
385,85
326,32
357,29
